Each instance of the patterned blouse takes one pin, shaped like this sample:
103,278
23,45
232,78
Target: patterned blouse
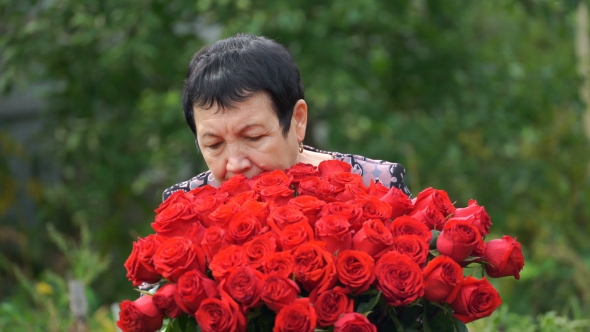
387,173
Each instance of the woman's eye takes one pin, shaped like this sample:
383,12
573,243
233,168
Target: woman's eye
254,138
214,146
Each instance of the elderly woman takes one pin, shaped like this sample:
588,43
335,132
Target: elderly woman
243,100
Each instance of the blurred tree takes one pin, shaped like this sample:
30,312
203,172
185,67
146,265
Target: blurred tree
478,98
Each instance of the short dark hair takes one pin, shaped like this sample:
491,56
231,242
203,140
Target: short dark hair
233,69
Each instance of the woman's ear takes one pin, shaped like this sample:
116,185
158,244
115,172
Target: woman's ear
299,120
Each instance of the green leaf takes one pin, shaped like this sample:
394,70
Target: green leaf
398,325
460,326
369,305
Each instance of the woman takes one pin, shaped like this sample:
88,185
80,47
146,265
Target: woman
243,100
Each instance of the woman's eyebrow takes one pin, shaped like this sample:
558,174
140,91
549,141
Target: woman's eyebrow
249,126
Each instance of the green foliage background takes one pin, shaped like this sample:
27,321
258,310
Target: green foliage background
479,98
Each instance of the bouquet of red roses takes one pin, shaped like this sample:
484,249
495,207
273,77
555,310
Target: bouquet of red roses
311,249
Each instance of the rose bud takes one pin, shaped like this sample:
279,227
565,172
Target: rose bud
406,225
354,322
278,291
220,315
140,315
373,208
198,194
400,202
192,288
481,219
439,199
372,238
327,167
282,216
223,214
352,212
458,239
314,267
279,262
205,206
309,205
399,279
355,270
352,192
176,256
243,198
296,234
504,257
225,260
330,305
340,179
412,246
335,232
257,249
442,279
298,316
271,179
476,299
243,284
140,264
430,217
321,189
278,195
164,300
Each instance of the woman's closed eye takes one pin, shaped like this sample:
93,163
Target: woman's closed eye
214,146
254,138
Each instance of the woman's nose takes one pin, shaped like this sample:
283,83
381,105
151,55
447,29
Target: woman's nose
237,163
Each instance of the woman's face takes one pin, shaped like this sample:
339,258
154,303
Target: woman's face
248,139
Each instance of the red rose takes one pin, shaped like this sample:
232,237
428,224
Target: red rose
225,260
243,198
356,270
339,179
279,262
373,208
258,248
164,300
442,278
309,205
327,167
298,316
278,291
271,179
439,199
213,241
372,238
282,216
458,239
243,284
242,227
504,257
259,209
223,214
175,198
296,234
301,171
205,206
314,267
430,217
192,288
476,299
399,279
330,305
400,202
195,233
318,188
140,315
215,315
279,195
176,218
140,264
481,219
197,194
176,256
351,211
412,246
406,225
236,185
352,192
335,231
377,189
354,322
